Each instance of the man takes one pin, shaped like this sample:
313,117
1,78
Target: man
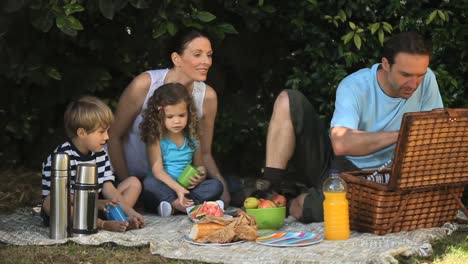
369,107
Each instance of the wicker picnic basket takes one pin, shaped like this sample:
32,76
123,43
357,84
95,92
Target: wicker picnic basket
427,179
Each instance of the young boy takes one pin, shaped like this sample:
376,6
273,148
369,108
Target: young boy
87,121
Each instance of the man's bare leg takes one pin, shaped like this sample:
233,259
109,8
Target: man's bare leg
281,143
280,138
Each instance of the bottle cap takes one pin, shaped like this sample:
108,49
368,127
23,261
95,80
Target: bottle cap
86,173
60,161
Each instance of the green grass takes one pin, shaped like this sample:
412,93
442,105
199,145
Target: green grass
76,253
449,249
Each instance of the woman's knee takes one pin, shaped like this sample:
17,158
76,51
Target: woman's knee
135,183
218,186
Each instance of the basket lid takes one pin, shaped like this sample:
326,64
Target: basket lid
432,149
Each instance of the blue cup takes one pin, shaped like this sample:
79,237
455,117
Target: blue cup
115,213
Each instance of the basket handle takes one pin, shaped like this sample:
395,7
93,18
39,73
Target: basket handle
459,202
452,114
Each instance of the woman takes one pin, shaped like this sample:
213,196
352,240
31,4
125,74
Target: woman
191,56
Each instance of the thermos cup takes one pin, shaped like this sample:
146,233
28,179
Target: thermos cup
115,212
86,189
60,197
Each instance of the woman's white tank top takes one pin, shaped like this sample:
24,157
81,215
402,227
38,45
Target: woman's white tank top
134,147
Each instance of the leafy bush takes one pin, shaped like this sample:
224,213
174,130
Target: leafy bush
52,51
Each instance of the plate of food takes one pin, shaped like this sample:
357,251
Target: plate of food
191,241
197,212
289,239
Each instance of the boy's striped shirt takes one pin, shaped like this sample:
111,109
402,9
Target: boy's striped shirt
101,159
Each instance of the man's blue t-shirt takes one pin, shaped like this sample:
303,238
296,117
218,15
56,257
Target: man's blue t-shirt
362,105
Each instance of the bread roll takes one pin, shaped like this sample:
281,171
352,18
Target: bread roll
201,230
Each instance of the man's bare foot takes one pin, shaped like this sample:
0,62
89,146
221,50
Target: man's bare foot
114,226
297,206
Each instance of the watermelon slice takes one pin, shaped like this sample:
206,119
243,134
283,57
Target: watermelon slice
207,208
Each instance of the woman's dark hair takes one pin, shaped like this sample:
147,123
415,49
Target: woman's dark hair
182,38
406,42
152,127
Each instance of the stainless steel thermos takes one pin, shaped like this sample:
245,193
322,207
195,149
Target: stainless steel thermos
60,197
86,190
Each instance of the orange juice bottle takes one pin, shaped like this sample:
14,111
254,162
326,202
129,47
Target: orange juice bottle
335,208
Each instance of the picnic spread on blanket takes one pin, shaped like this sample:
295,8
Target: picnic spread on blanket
165,236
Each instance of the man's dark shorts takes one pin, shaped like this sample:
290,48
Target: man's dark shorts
313,154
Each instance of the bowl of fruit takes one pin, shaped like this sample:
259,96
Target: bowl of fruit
269,214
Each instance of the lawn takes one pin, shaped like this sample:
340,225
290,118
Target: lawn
21,187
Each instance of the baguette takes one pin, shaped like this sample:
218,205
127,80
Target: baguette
203,229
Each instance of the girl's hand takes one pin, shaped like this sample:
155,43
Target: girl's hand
198,178
183,200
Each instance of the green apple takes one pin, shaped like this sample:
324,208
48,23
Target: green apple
251,203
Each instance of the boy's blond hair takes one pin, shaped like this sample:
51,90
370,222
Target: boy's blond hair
88,113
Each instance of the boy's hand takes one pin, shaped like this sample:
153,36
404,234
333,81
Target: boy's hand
102,203
198,178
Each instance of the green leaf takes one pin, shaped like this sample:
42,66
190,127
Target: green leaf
387,27
68,25
357,41
260,2
352,25
192,23
205,16
441,15
74,23
374,27
171,28
107,8
140,4
160,30
227,28
342,15
359,30
381,35
346,38
431,17
72,8
54,73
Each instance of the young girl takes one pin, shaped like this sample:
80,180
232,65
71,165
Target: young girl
170,132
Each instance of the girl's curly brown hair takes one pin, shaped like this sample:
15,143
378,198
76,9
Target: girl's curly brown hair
152,127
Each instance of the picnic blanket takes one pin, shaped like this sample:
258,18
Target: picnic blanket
165,237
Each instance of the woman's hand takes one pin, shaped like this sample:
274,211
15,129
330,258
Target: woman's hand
197,178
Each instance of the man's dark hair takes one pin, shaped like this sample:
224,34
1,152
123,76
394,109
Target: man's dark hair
406,42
